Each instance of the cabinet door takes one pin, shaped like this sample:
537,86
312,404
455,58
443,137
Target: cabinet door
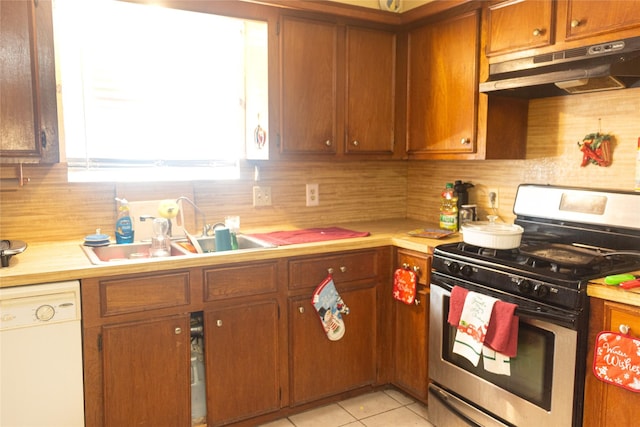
606,404
370,91
320,367
520,24
241,362
146,373
411,330
590,18
443,87
308,85
27,83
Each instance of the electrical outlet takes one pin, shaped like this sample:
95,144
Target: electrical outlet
493,198
313,195
261,196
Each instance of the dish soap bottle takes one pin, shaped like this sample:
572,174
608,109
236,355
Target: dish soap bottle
124,225
449,209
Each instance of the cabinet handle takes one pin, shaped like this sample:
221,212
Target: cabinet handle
538,32
177,330
624,329
301,310
218,323
415,268
43,134
343,269
575,23
465,141
356,143
330,270
327,143
416,301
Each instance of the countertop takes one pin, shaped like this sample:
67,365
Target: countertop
54,262
597,289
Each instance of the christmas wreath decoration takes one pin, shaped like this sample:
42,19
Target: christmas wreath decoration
596,149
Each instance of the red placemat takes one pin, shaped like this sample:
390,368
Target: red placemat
308,235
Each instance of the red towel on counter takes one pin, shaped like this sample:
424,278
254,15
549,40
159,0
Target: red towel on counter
308,235
502,332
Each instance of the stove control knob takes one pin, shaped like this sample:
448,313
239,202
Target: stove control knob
524,286
466,270
453,267
541,290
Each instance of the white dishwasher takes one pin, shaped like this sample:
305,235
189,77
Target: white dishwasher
41,356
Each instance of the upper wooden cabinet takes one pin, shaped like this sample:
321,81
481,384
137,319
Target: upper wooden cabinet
308,86
369,93
519,24
28,113
537,26
442,87
337,88
579,18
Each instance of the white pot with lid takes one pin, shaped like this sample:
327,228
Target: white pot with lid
492,235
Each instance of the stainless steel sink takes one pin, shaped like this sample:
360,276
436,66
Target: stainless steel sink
140,251
208,243
125,252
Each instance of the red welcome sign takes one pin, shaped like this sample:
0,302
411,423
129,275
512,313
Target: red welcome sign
617,360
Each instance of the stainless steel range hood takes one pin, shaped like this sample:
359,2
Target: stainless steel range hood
605,66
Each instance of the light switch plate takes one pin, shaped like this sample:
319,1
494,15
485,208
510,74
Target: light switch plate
261,196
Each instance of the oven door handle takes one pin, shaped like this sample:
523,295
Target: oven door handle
443,398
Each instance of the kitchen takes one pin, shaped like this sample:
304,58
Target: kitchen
365,191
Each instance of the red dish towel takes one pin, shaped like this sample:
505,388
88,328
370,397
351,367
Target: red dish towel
308,235
502,332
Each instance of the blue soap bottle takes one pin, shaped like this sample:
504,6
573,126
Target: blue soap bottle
124,225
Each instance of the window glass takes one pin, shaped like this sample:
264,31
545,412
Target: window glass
152,93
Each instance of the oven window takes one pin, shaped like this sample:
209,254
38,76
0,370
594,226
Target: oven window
531,369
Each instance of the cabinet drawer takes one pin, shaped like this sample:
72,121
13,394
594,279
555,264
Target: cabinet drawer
345,267
242,280
619,314
419,263
143,293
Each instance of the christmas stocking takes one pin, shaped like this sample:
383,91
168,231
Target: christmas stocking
330,308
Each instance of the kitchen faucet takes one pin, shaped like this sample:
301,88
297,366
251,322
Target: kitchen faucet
207,229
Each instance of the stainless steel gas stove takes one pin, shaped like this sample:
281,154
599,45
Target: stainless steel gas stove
571,235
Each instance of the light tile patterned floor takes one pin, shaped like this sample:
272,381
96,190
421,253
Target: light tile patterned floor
378,409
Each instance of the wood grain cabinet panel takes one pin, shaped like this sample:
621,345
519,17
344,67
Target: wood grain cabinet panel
146,373
242,361
582,19
607,405
308,86
411,330
443,86
320,367
237,281
28,108
144,293
345,267
370,91
520,24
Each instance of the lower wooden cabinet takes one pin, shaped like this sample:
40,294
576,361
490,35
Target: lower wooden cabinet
241,361
411,329
605,404
146,372
320,367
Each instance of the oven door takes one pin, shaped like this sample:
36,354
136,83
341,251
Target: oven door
539,391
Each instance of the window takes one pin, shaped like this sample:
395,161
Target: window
155,94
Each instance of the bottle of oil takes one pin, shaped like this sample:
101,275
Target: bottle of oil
449,209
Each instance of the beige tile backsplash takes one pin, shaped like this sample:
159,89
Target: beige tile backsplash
50,209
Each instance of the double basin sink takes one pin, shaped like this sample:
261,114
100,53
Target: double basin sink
139,251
